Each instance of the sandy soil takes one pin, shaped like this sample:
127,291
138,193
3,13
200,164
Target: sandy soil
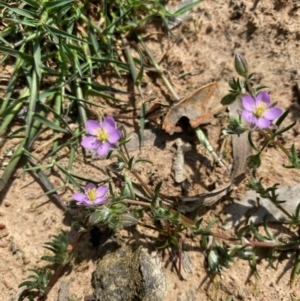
267,32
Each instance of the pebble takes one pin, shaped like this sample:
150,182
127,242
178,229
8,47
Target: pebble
26,259
3,245
28,232
3,231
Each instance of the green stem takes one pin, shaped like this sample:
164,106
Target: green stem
10,168
277,143
11,86
296,269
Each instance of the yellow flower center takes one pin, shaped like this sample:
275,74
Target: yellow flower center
91,194
102,135
260,109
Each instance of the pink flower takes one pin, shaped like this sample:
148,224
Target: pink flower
91,196
103,135
259,111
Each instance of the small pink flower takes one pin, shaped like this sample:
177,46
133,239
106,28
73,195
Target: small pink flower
92,195
103,135
259,111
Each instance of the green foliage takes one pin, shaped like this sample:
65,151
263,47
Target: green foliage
56,40
59,246
236,126
218,258
294,158
39,281
236,91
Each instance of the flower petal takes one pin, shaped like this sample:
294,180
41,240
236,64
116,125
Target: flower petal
247,116
109,124
103,149
263,123
248,103
101,191
79,196
92,126
100,200
90,142
114,146
272,113
87,203
114,136
264,97
252,126
89,186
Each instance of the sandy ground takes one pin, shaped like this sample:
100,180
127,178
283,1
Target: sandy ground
267,32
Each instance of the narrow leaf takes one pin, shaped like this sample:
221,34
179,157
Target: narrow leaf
49,124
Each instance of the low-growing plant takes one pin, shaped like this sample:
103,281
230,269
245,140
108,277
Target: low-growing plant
55,39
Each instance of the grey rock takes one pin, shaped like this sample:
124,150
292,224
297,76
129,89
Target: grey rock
126,275
238,211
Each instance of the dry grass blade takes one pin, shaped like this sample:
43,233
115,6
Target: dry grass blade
241,148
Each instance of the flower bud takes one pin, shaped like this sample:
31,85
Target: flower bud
235,126
127,220
253,161
241,65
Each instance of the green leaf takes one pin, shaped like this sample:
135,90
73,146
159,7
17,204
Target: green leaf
141,71
41,279
143,160
156,194
49,124
24,22
57,4
243,230
271,258
49,93
229,99
285,129
120,65
174,241
256,233
288,246
282,117
10,168
260,88
21,12
69,176
57,32
116,20
297,212
13,52
99,216
32,3
142,122
37,58
130,187
254,161
131,163
251,141
270,234
213,261
186,8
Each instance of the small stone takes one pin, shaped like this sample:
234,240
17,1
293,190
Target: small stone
28,232
7,204
26,259
3,231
